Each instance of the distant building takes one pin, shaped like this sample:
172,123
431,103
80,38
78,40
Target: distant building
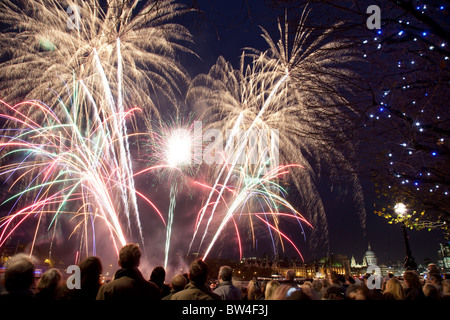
253,267
369,258
397,268
385,270
353,263
336,262
281,267
444,257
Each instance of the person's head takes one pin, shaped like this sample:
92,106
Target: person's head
91,270
289,292
254,290
433,268
335,278
178,282
317,285
198,271
281,292
310,293
333,293
436,279
430,291
350,280
356,292
290,275
298,293
225,273
411,279
395,289
130,256
365,277
50,281
158,275
271,286
445,286
19,273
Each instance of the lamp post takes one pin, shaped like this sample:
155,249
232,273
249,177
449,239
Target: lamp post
444,264
410,263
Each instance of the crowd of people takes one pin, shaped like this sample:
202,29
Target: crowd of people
128,283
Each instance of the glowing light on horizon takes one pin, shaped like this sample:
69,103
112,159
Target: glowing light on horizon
179,148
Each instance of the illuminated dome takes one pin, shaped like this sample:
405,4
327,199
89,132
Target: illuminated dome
370,257
369,252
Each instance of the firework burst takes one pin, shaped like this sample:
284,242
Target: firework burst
171,153
254,195
298,88
46,43
75,163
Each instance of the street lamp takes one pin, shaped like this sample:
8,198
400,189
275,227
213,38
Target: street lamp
410,263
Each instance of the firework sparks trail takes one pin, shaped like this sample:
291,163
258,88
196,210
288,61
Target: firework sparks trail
251,186
119,125
242,145
173,203
77,162
79,156
208,201
172,144
294,87
44,144
52,50
110,47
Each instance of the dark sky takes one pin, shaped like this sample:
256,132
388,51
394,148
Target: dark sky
224,28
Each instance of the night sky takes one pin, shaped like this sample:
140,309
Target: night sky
225,28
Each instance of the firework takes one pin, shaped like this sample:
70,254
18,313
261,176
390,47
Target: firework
101,49
296,87
254,192
172,145
75,162
49,42
74,158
